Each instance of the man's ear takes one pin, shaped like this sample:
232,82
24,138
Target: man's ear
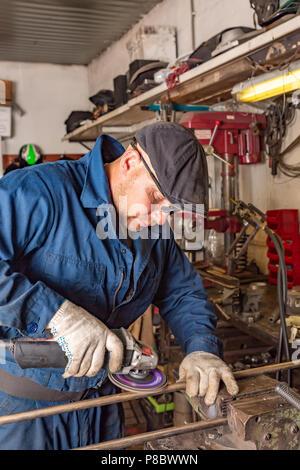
130,160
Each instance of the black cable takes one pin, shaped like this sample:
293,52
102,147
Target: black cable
282,299
280,114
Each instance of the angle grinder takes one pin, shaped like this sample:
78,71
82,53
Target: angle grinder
138,372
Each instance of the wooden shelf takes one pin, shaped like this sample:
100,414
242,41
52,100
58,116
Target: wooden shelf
209,83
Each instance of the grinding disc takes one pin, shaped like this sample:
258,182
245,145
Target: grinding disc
155,380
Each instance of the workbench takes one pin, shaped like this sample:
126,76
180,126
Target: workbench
262,329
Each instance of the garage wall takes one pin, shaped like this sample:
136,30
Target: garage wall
210,19
47,93
256,182
273,192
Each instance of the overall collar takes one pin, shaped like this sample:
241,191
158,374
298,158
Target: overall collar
96,188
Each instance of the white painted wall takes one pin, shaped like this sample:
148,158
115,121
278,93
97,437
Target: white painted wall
211,17
47,93
257,185
273,192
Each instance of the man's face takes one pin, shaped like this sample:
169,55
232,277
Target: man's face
141,202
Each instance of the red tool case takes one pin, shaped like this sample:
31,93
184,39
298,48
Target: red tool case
285,223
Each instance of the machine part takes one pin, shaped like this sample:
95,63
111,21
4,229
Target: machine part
35,353
293,301
288,394
248,387
257,415
135,381
296,99
250,317
255,217
242,259
137,356
257,419
139,361
266,421
210,151
251,301
275,316
228,136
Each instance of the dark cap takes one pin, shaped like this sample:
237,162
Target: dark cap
178,160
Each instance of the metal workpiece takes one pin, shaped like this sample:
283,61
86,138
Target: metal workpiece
147,436
237,417
127,396
252,296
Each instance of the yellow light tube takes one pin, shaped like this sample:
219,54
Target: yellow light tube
268,85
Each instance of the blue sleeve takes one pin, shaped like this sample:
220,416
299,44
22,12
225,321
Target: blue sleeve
182,302
26,215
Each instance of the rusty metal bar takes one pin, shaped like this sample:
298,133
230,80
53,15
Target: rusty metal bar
126,396
150,436
266,369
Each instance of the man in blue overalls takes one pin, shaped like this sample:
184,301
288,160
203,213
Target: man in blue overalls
59,272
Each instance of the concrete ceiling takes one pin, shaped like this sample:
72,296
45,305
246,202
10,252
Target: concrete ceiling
65,31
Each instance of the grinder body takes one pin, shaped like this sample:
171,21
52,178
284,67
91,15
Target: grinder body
47,353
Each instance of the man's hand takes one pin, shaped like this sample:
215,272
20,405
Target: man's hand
84,339
202,372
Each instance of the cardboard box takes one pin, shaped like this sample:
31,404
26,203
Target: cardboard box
5,92
151,42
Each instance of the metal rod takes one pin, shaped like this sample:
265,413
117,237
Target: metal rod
222,160
214,132
127,396
150,436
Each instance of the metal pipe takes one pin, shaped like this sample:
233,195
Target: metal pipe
193,15
1,158
127,396
150,436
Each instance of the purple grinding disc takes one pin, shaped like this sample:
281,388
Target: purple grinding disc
154,380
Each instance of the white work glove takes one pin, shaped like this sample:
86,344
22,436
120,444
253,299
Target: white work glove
202,372
84,340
